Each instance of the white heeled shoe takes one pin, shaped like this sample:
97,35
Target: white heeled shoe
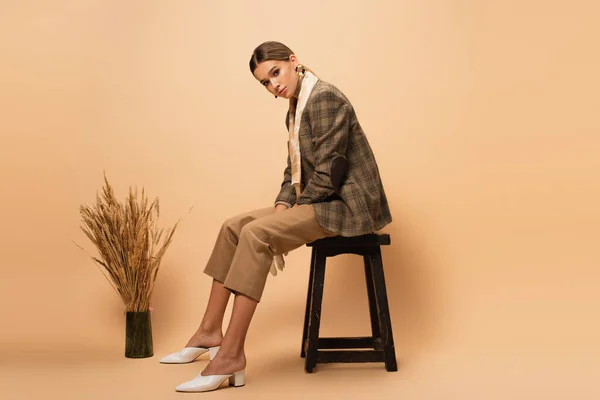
212,382
189,354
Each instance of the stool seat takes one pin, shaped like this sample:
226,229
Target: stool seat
381,344
371,239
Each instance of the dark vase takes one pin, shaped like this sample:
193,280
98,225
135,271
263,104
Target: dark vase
138,335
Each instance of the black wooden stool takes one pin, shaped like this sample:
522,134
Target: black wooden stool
381,342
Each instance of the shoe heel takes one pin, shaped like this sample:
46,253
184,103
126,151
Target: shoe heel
238,379
212,351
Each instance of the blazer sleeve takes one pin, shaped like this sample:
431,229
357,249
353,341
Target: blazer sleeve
329,118
287,194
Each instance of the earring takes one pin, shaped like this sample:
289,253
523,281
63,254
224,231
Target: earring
300,69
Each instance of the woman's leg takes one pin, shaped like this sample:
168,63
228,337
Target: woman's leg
258,241
210,332
227,240
231,357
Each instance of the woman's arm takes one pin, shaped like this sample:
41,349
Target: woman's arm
329,117
287,194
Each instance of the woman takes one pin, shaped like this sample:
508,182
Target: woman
331,186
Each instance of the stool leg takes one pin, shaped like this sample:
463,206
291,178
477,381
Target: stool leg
375,329
384,312
315,312
311,278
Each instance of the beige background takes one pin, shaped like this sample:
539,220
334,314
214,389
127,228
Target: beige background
483,116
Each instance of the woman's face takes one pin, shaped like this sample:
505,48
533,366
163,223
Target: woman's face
278,77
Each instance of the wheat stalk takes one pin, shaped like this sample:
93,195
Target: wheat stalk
128,242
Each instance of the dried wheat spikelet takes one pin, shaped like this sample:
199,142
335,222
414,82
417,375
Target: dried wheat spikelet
129,243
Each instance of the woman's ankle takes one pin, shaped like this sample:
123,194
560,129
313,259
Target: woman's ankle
227,351
223,364
205,339
210,330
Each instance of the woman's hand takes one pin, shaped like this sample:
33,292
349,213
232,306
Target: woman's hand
279,207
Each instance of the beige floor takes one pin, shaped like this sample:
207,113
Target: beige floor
275,371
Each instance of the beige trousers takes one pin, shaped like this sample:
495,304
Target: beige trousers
244,249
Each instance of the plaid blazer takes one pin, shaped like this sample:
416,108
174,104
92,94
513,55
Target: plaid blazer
329,129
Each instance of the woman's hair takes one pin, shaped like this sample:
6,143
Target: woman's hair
271,51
